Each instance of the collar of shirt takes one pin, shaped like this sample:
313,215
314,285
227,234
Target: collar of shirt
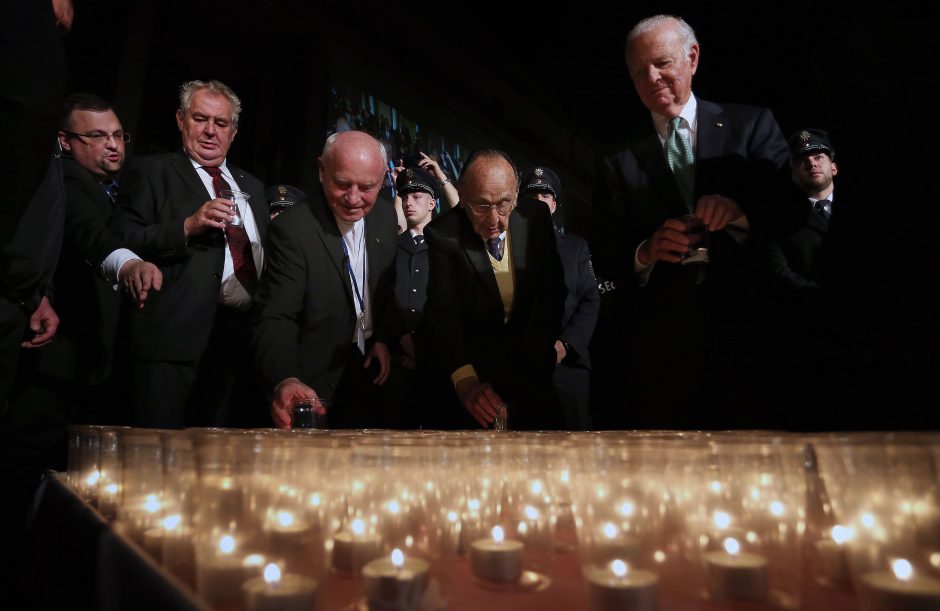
830,198
206,179
502,237
413,233
689,125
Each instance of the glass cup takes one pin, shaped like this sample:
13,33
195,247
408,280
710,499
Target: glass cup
697,232
239,201
309,414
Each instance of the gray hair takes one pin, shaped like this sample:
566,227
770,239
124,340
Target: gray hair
328,145
683,30
214,87
480,154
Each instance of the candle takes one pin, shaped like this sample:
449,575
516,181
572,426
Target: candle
611,544
287,534
900,589
736,575
831,555
617,587
273,592
351,550
395,583
496,559
220,576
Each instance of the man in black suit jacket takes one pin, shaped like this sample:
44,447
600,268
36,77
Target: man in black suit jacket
189,344
321,321
689,325
582,305
494,311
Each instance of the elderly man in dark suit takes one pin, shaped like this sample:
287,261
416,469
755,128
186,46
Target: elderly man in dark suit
321,322
190,356
689,320
495,298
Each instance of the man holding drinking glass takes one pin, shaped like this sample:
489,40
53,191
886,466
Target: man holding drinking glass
190,359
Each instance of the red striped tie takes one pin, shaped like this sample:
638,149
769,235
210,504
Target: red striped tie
238,242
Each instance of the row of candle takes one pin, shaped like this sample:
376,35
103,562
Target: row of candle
251,517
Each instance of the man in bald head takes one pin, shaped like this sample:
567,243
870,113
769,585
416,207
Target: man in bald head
324,301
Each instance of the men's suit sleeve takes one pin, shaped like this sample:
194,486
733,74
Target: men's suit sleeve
580,327
135,222
442,311
278,305
611,241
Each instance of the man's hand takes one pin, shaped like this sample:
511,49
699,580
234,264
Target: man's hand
212,215
138,278
716,211
668,243
287,393
432,167
479,399
380,353
560,352
44,322
408,347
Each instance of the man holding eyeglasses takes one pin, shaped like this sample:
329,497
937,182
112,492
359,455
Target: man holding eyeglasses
495,299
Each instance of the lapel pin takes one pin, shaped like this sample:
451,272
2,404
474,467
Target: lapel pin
719,124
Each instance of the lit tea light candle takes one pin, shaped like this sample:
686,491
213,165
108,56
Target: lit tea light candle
735,575
286,532
154,537
352,549
395,582
830,553
221,572
496,559
612,543
899,589
617,587
274,592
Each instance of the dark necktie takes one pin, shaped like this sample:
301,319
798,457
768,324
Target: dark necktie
823,207
111,188
495,246
238,242
681,161
419,240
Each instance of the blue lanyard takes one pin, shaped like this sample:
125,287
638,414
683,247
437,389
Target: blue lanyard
352,275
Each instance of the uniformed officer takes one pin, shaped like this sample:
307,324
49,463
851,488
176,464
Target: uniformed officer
282,197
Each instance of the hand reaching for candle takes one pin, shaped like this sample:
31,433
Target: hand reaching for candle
286,394
479,399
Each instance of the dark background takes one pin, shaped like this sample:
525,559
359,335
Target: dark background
550,86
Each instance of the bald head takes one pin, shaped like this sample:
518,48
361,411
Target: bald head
352,167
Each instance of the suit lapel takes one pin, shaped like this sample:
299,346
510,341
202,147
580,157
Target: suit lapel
519,241
332,241
649,152
472,246
710,140
374,248
187,172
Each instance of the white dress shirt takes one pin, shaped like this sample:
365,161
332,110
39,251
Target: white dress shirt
354,236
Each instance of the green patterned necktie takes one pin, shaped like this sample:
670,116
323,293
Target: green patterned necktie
681,161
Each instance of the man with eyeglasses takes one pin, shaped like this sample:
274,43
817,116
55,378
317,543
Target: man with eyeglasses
191,364
495,299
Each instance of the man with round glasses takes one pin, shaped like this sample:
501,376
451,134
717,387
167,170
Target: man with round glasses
495,299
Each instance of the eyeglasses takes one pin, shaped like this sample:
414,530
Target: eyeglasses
99,139
502,208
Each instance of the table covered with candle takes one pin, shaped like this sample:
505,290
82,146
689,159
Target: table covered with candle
231,519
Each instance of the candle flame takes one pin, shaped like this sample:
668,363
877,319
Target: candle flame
722,519
452,516
868,520
531,512
498,534
732,546
537,487
152,504
227,544
272,574
394,507
285,518
93,478
522,528
314,500
253,560
659,556
409,541
473,505
627,508
776,508
841,534
111,488
619,568
398,558
610,530
716,487
564,476
171,522
902,569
